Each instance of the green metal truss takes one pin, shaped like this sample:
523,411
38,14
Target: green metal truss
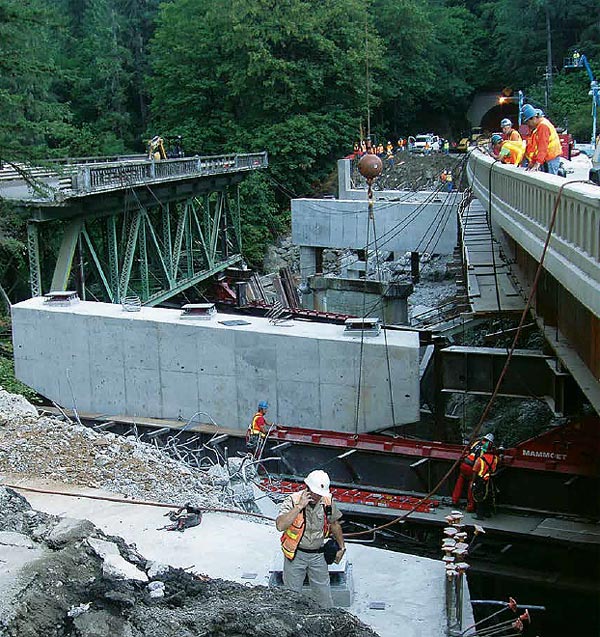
154,252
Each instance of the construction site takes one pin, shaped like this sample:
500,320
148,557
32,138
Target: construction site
401,321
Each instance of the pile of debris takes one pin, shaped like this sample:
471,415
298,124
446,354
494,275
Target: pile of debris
64,577
413,171
44,447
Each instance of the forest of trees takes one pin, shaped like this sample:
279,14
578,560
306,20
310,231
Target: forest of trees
94,77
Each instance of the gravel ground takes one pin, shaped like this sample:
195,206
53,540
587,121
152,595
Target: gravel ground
33,446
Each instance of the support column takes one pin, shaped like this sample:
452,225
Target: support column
308,262
166,232
344,167
113,257
33,248
144,260
66,252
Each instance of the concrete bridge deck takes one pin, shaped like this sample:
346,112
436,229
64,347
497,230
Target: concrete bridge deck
47,190
526,210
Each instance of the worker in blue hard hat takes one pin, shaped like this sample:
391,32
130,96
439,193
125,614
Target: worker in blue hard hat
543,145
508,131
496,143
259,427
507,150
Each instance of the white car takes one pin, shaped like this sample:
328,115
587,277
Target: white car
421,140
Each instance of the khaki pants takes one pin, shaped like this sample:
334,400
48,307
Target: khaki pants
315,566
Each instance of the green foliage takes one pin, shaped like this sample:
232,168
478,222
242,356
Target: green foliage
261,219
12,385
286,77
571,105
33,121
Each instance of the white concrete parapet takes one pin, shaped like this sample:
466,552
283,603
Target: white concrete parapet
151,363
522,204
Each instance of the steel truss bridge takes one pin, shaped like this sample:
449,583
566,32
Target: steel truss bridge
128,226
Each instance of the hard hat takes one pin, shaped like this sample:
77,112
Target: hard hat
263,404
489,437
496,138
505,122
318,482
528,111
539,112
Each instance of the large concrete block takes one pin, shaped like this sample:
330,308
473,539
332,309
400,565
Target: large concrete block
299,402
140,346
155,364
178,349
107,392
179,389
400,225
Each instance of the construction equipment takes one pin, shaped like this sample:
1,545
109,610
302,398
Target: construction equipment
579,60
156,148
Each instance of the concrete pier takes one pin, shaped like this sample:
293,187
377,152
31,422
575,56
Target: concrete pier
360,297
100,359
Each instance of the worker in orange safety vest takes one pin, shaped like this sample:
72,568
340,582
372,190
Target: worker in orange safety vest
258,428
543,147
509,132
307,519
482,487
465,470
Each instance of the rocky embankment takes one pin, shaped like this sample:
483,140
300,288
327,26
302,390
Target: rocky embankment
61,577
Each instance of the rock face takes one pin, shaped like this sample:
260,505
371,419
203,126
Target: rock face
77,582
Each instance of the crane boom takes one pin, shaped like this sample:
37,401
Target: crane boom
580,61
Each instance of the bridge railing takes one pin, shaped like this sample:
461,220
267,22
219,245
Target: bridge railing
110,176
522,203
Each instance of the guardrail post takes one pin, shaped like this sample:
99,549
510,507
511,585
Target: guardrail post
83,179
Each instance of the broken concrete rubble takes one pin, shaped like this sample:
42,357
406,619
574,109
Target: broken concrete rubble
44,447
67,589
63,576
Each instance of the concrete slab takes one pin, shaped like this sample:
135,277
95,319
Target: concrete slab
411,588
399,225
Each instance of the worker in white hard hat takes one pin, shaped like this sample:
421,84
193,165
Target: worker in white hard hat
312,537
509,132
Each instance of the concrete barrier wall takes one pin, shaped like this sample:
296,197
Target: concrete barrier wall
103,360
522,204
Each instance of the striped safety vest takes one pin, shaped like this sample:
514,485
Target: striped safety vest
554,147
486,465
512,152
254,429
291,537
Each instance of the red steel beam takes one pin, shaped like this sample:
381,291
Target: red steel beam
571,449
